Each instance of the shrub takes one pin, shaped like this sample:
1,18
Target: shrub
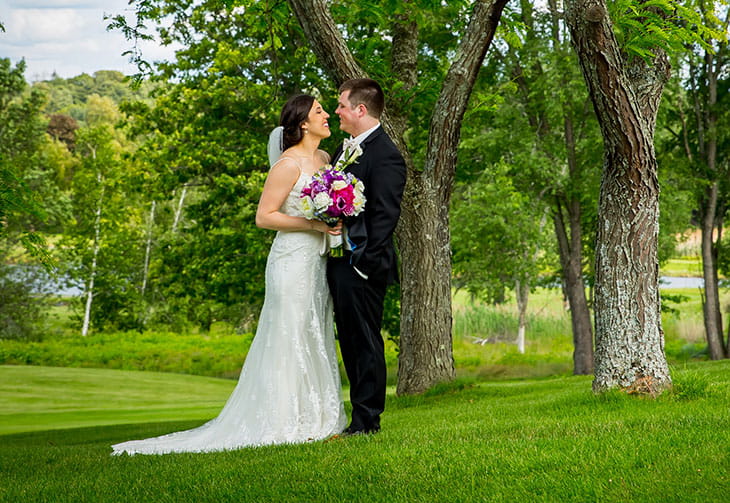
214,355
24,302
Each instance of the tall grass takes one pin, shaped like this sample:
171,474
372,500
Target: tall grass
688,265
485,336
484,339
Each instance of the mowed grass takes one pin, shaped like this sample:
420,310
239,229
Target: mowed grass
530,440
41,398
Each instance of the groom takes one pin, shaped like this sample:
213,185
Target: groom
358,279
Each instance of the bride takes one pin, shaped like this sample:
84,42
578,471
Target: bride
289,387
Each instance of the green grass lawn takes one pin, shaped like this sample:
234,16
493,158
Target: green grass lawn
41,398
529,440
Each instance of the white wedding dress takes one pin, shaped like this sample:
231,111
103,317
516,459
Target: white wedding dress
289,389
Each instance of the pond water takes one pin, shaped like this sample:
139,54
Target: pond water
45,282
667,282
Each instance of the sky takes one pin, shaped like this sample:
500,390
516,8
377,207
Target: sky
68,37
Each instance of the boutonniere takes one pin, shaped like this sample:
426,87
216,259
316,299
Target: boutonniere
351,152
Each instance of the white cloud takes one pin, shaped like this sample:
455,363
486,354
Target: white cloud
52,4
68,37
36,26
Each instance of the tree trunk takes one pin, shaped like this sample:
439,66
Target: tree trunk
148,248
571,262
522,292
178,210
425,356
572,251
629,337
711,299
704,88
95,253
425,353
570,248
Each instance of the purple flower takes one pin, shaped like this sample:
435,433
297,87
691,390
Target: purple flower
343,189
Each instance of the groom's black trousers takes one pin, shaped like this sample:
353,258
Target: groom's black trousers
359,313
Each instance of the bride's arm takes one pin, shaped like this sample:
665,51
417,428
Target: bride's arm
279,183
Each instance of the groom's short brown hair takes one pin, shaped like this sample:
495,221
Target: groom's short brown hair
365,92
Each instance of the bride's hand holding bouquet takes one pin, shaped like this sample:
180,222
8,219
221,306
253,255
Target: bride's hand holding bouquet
333,194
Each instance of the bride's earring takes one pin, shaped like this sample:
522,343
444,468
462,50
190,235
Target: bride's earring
305,130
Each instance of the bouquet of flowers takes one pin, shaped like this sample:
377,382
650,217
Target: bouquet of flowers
333,194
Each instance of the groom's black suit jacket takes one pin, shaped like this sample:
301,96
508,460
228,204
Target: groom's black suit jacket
382,170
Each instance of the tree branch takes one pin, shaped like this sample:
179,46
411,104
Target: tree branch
326,39
332,51
612,79
445,129
404,63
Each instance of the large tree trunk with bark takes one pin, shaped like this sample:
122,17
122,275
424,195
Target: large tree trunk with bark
426,355
423,359
423,235
629,338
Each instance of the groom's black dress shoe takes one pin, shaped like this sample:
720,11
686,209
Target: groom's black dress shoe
350,432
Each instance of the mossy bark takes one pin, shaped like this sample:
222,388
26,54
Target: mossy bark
626,92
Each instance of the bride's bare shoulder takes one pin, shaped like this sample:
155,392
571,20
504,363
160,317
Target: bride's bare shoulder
287,168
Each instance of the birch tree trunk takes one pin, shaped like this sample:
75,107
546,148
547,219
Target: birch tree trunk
626,95
522,292
178,210
95,253
425,356
148,247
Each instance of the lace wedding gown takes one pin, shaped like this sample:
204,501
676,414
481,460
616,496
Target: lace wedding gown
289,387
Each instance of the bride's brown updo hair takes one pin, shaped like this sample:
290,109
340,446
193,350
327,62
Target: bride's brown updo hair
294,113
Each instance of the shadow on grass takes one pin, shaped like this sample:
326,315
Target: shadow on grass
95,434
